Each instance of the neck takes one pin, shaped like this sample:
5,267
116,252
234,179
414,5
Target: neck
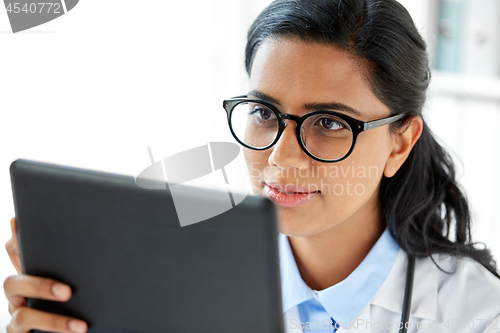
329,257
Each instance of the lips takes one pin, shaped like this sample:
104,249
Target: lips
289,195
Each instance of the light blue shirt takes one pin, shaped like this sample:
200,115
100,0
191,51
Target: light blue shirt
343,301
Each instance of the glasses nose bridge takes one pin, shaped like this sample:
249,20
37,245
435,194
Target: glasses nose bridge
298,123
292,117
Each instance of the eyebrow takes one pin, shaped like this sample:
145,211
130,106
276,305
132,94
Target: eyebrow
309,106
261,95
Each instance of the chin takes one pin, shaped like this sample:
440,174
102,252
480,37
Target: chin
293,228
294,224
288,230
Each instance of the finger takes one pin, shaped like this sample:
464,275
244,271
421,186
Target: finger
13,226
17,287
13,252
13,307
25,319
12,247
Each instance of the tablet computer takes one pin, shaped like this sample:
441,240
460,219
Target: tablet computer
130,264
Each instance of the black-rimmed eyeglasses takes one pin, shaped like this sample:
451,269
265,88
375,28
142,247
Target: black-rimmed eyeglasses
326,136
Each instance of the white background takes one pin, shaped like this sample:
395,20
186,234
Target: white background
97,86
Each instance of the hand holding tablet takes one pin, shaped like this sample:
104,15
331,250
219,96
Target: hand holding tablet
129,263
19,287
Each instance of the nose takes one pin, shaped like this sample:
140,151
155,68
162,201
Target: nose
287,152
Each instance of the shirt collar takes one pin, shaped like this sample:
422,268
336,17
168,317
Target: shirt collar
345,300
294,289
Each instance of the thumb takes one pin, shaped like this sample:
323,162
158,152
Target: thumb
12,247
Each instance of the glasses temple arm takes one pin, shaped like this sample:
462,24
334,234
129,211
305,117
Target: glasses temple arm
382,122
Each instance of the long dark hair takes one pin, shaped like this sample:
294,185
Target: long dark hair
422,204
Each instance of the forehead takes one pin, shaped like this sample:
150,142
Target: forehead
296,73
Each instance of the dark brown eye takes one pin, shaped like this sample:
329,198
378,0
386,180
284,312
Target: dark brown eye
263,113
330,124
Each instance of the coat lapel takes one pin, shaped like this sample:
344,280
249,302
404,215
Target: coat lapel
386,306
425,288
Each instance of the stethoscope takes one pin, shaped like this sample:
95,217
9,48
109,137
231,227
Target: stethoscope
410,272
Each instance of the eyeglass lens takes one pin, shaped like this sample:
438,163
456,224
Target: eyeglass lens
325,136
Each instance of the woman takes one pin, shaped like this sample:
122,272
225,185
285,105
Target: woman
357,201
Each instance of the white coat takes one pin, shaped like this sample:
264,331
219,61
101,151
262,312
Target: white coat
466,301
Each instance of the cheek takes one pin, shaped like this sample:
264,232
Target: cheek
256,162
352,183
373,148
372,152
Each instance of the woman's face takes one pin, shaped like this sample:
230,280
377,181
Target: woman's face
295,76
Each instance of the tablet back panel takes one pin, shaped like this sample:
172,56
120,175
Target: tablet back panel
133,268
